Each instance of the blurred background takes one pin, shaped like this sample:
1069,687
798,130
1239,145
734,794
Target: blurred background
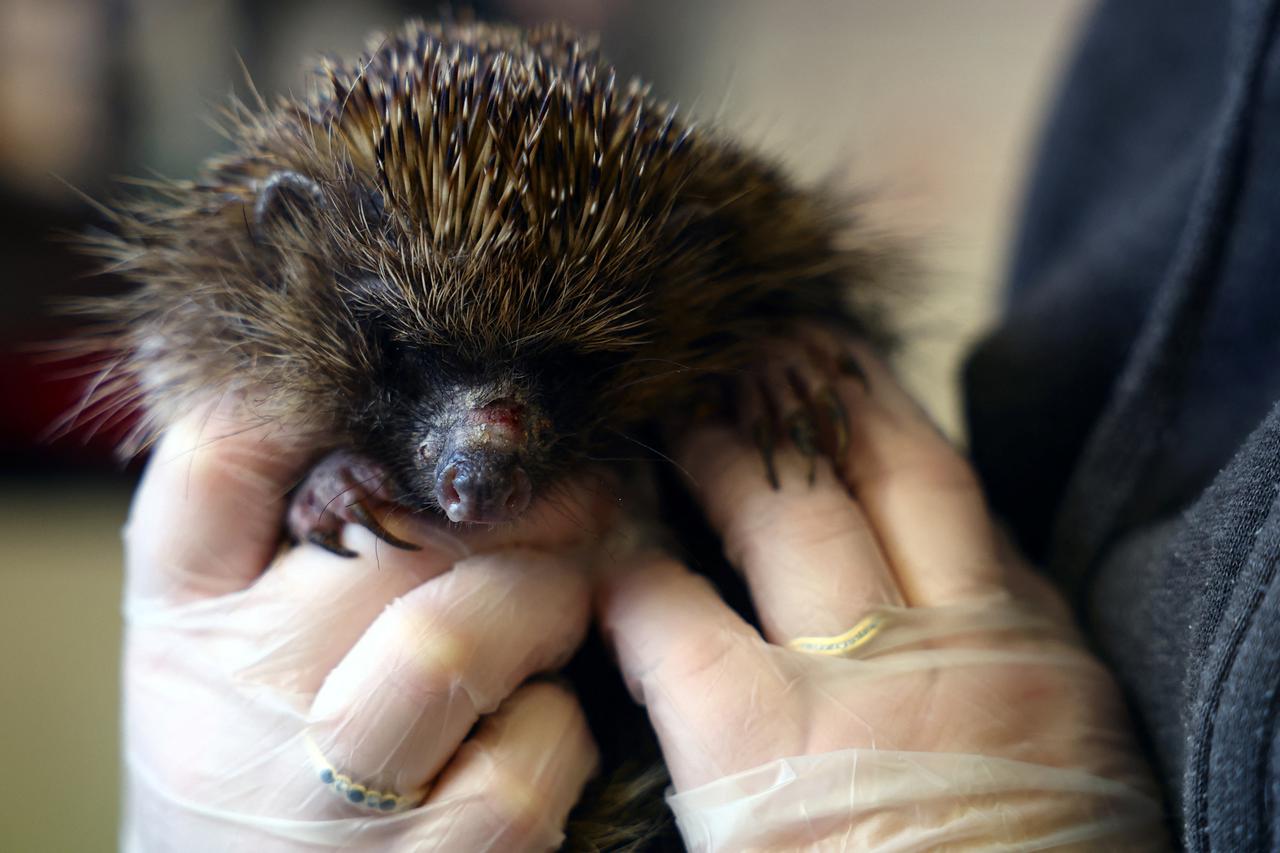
930,107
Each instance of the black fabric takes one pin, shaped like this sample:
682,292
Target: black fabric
1123,415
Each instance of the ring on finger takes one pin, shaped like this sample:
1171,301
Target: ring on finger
342,785
842,645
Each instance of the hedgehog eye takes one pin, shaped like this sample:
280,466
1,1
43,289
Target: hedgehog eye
286,198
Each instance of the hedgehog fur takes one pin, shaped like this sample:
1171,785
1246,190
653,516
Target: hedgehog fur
492,194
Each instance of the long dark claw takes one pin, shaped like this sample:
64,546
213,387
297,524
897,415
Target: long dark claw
804,435
365,517
848,365
836,419
328,540
763,434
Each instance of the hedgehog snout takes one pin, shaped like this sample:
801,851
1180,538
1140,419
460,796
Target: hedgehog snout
482,489
479,477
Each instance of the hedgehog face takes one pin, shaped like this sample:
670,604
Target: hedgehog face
476,437
475,378
475,375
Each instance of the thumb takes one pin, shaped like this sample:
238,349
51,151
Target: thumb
206,519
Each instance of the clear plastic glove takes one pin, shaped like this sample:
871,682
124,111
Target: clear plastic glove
302,701
914,686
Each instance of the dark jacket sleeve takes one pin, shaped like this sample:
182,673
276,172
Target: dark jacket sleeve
1123,414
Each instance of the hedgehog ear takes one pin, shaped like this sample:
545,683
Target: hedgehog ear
286,198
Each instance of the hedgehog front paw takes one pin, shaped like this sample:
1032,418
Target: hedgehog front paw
791,398
342,488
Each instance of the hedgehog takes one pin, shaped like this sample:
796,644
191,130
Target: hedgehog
471,261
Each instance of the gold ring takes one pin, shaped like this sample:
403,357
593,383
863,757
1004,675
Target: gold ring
844,644
386,802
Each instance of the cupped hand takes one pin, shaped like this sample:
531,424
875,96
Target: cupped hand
289,699
912,685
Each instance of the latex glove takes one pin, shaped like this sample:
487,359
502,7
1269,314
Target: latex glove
971,718
255,683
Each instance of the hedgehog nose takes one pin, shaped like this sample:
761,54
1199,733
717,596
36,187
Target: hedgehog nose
481,489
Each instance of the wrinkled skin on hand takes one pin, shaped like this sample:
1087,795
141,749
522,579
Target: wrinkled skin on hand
970,717
292,699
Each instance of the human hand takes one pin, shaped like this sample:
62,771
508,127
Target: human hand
963,711
250,674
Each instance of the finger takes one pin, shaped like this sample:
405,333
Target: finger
321,604
206,517
809,555
512,785
700,671
1031,587
922,498
311,607
397,706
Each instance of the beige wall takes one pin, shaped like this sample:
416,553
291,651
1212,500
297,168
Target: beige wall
930,106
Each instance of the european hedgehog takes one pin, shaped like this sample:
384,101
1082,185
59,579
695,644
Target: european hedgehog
472,260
